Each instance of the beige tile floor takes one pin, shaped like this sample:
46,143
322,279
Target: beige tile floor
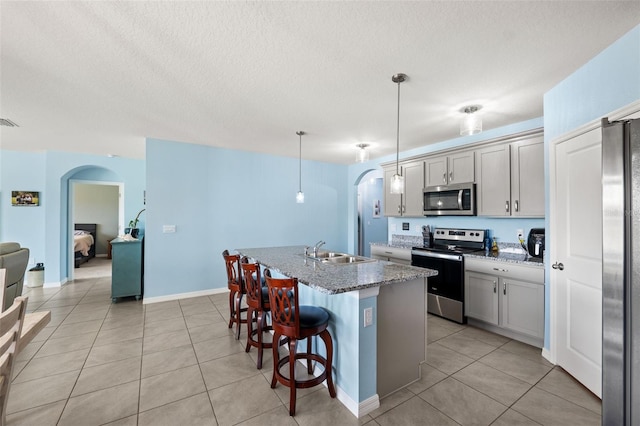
177,363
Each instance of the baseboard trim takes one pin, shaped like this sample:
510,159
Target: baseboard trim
158,299
55,284
546,354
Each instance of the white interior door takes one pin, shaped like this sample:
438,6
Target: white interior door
576,257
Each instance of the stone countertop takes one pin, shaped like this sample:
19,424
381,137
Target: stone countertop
333,278
501,256
521,258
394,245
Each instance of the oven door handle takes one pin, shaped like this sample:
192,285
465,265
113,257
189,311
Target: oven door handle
456,257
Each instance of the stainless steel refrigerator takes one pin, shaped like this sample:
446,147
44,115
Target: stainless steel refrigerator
621,272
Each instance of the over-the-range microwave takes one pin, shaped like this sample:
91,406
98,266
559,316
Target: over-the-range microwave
450,200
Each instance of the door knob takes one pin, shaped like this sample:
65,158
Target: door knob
557,265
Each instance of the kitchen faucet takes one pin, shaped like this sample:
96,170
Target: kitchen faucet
316,247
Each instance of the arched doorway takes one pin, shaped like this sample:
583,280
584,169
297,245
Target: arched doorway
371,225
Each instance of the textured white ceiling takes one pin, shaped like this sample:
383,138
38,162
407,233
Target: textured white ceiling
99,77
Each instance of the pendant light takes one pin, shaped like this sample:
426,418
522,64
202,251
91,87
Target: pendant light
397,180
363,153
472,122
300,194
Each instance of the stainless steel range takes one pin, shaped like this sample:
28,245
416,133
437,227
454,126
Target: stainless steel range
445,292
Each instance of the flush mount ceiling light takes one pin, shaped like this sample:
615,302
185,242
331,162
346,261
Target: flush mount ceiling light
397,180
300,194
363,153
472,122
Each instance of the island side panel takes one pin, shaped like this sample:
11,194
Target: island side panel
354,347
401,334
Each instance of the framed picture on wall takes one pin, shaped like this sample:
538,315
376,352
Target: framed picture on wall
25,198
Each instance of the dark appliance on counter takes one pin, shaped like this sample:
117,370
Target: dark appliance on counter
445,291
535,242
450,200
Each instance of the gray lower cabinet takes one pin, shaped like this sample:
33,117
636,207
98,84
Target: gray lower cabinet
391,254
126,269
506,298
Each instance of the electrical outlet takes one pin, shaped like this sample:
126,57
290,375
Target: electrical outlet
520,235
368,317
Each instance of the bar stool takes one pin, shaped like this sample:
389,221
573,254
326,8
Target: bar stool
296,322
236,290
258,306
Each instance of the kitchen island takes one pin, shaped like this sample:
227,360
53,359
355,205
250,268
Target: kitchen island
373,360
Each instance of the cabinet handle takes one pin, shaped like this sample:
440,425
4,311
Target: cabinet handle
450,176
404,209
557,265
389,252
500,269
515,206
504,289
399,209
494,287
506,206
444,177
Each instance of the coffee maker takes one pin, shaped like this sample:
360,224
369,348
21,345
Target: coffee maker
535,242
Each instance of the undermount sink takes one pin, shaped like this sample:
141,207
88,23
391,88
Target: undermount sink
338,258
327,255
346,259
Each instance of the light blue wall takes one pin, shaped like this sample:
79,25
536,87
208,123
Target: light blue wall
607,82
225,199
44,229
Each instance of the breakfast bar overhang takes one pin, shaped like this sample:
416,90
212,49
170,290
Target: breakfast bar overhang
370,361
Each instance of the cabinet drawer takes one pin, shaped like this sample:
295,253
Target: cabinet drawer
394,254
532,274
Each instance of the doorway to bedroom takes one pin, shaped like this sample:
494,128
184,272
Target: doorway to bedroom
96,210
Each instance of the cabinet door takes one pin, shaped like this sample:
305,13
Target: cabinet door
527,178
493,195
523,307
413,173
392,202
435,171
481,297
462,167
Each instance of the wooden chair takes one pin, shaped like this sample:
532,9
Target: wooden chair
11,322
296,322
236,290
258,306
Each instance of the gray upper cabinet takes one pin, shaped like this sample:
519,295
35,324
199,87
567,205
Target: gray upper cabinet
409,203
457,167
527,177
510,178
493,196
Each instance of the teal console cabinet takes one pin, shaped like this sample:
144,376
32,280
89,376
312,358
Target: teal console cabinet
127,268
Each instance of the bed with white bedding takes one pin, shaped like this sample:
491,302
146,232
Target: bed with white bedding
84,242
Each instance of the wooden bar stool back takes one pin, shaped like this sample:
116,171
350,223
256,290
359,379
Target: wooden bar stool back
11,322
296,322
257,307
236,290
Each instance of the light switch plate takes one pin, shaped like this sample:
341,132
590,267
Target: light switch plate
168,229
368,317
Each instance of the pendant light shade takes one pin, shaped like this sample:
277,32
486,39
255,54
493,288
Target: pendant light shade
397,180
362,155
472,122
300,194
